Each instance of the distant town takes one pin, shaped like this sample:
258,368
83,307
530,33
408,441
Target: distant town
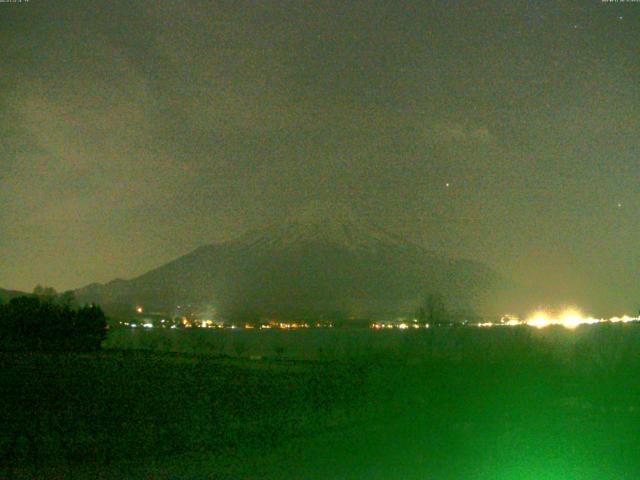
569,319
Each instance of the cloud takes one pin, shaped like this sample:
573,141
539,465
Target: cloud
458,133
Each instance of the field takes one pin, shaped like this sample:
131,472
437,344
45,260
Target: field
450,403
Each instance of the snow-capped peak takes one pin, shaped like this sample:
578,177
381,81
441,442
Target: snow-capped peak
335,225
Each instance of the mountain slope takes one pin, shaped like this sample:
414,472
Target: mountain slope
6,295
313,264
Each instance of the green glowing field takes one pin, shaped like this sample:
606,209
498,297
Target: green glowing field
462,404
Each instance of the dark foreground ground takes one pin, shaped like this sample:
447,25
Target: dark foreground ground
509,409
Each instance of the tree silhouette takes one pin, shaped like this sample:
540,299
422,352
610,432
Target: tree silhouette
432,310
46,293
68,299
42,322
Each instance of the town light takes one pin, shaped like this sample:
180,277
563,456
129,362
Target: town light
539,320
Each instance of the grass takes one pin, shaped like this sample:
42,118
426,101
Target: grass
63,410
454,404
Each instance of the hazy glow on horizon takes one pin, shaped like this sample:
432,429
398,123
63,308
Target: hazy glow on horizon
570,318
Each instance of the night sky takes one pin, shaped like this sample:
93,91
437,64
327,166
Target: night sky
507,132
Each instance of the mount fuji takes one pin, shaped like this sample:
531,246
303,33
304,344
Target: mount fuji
321,261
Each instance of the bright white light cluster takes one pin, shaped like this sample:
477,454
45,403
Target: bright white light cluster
571,319
624,319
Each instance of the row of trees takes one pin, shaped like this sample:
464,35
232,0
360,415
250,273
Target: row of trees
48,321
